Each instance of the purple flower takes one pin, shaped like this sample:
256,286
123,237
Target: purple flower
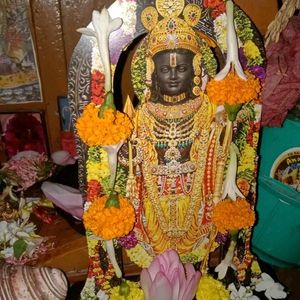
128,241
258,71
167,279
242,59
221,238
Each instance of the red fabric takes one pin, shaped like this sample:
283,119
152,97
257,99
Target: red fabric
68,142
281,90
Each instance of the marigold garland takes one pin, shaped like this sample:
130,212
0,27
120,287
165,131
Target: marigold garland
109,130
211,289
247,160
233,215
233,90
97,170
139,256
109,222
250,50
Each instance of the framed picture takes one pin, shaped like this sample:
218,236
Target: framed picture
65,114
23,131
66,124
19,77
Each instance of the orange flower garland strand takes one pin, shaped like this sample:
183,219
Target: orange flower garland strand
233,215
110,130
109,222
233,90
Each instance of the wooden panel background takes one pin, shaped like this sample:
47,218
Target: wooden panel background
54,24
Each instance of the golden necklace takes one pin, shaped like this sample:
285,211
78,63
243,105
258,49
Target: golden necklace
172,134
174,99
178,111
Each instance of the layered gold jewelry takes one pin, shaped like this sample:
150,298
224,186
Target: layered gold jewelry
197,90
170,134
197,71
173,135
183,110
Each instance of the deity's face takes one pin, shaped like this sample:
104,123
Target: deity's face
174,71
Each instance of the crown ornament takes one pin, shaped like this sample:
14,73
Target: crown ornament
171,31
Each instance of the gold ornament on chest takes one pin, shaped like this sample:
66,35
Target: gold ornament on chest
172,138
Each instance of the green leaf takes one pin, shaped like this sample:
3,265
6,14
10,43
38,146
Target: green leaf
113,200
232,110
108,104
19,247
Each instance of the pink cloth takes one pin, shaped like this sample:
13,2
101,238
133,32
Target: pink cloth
65,197
62,158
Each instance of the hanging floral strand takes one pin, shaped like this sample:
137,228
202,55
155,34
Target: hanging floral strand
102,125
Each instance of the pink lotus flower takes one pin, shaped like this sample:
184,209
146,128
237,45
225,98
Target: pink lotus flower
167,279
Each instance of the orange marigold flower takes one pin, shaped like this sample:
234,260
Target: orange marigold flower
233,90
233,215
109,130
109,222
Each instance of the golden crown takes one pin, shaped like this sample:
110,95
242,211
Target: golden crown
171,32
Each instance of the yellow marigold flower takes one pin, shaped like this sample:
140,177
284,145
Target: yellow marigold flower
136,293
97,170
139,256
93,169
233,215
255,139
233,90
211,289
247,159
251,50
255,268
109,130
109,222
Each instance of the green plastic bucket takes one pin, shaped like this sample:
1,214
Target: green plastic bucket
276,236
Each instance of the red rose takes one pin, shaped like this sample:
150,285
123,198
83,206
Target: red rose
97,100
97,76
93,190
97,87
212,3
218,10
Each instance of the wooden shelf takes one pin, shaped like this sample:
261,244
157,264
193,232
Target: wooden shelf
70,252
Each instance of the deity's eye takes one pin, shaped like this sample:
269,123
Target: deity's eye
181,68
164,69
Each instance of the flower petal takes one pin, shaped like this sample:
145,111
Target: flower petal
175,285
169,264
190,271
154,268
277,291
242,291
146,283
190,287
115,24
262,286
232,288
87,31
221,269
161,288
